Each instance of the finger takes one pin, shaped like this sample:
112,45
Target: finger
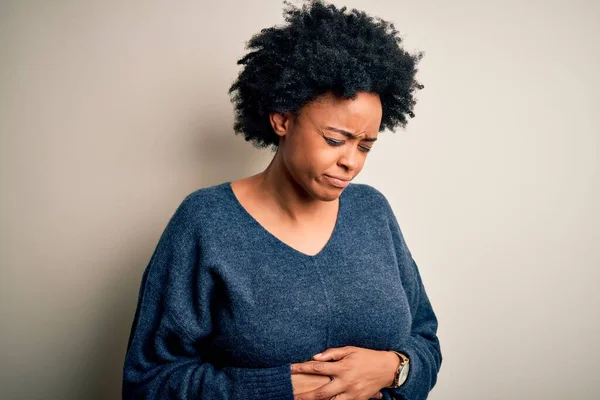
334,353
316,368
378,395
328,391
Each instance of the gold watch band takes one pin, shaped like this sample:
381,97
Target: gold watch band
403,362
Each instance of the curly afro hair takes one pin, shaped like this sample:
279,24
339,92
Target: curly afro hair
322,49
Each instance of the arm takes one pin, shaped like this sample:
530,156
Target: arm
171,324
423,347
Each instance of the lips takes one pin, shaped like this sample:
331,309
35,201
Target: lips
340,179
337,181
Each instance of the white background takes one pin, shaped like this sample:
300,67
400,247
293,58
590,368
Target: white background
111,112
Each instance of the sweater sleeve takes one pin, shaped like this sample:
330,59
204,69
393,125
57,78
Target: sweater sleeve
172,323
423,347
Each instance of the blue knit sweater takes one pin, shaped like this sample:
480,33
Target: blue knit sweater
225,307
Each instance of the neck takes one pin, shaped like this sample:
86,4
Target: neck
281,189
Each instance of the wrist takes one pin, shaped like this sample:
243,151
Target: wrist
402,370
392,362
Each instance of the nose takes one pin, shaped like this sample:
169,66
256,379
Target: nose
349,159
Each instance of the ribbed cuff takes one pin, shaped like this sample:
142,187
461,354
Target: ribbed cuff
264,383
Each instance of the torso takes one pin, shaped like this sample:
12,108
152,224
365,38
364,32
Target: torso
271,304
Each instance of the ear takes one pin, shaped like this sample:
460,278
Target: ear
280,122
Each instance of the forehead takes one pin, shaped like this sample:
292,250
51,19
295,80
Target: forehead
361,113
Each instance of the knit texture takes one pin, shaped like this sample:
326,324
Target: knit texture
225,307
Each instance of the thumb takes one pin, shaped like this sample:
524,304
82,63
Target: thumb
334,353
378,395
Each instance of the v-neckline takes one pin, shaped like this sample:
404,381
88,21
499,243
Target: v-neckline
278,241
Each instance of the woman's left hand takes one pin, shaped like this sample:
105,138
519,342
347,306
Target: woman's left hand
358,373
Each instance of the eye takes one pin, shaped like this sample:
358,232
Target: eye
365,149
333,142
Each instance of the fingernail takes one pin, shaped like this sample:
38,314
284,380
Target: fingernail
318,355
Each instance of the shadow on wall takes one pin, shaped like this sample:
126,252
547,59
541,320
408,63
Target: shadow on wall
220,157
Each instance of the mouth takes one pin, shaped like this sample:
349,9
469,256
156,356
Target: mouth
338,182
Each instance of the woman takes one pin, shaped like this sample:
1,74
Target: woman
294,283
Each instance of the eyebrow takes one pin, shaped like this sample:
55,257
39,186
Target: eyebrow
348,134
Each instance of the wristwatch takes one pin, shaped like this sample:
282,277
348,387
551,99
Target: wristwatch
401,372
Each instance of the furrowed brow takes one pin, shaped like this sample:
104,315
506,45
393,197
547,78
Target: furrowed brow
349,134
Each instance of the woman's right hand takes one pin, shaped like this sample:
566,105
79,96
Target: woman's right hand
303,383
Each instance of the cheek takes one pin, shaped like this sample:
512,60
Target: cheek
296,160
322,158
311,156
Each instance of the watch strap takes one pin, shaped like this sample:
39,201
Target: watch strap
403,362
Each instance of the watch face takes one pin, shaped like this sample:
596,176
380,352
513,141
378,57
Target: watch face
403,374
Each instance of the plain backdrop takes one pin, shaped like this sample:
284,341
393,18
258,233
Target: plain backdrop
111,112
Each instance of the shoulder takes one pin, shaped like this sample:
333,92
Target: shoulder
205,198
201,206
372,203
367,195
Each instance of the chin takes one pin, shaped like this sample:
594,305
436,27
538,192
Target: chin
321,190
327,192
329,197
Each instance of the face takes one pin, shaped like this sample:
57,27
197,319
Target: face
326,145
